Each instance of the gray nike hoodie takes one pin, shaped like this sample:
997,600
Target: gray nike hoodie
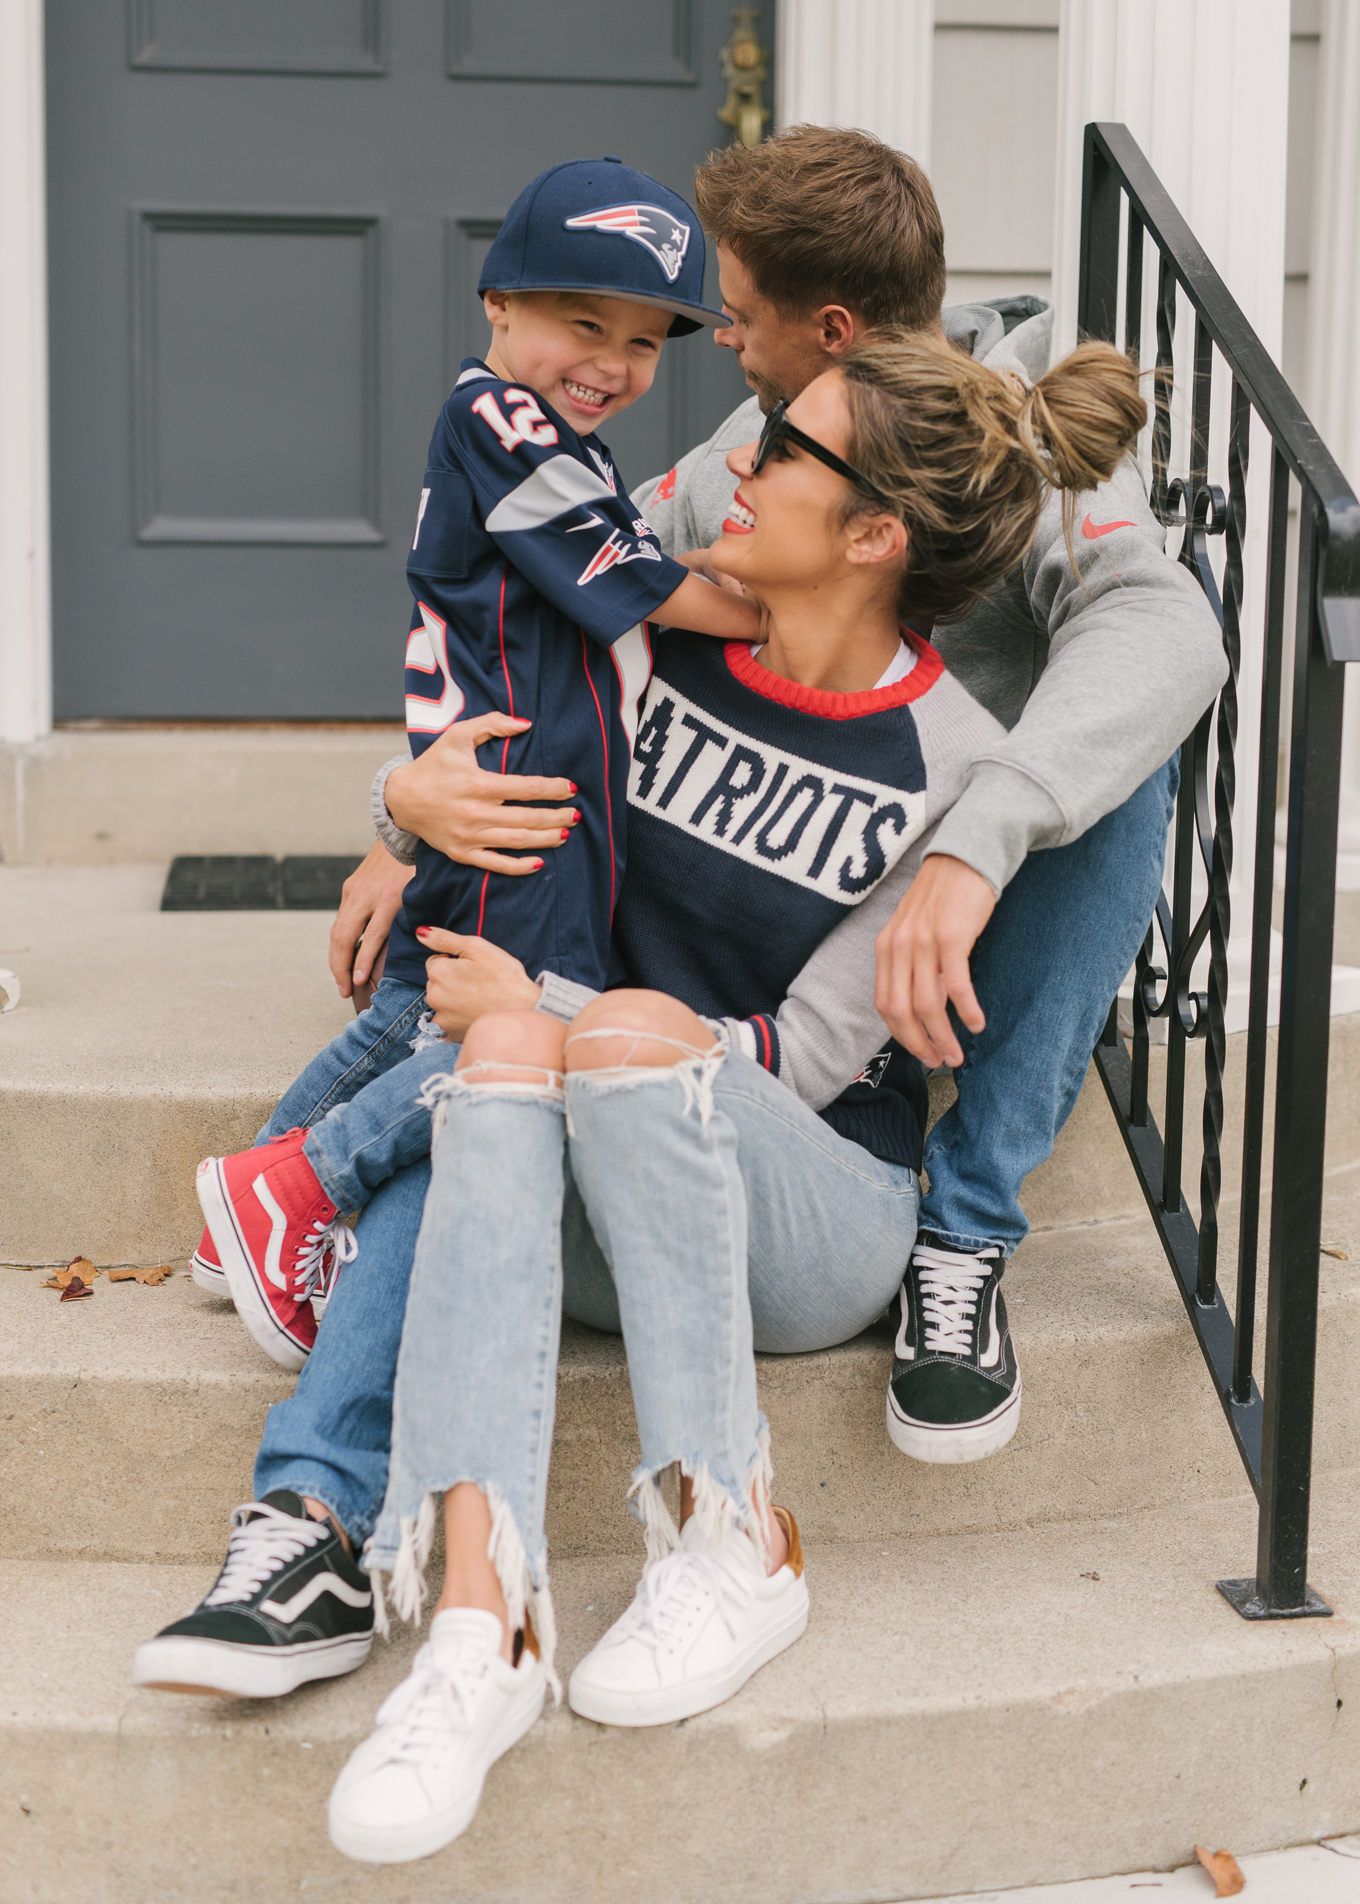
1097,674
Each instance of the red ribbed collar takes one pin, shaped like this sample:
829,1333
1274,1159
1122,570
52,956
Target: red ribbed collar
837,707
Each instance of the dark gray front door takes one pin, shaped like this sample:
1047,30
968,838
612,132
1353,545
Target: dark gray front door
267,218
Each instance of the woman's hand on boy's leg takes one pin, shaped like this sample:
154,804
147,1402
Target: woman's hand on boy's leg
463,811
470,978
370,900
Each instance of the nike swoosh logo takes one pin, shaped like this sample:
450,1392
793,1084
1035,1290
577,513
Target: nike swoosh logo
288,1610
1093,529
278,1223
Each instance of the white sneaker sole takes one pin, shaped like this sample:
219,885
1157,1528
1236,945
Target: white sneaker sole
610,1705
178,1663
209,1276
242,1287
972,1443
403,1844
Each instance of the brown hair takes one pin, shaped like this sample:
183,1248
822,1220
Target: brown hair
967,455
819,215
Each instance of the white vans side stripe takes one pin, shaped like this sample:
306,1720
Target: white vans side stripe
278,1224
288,1610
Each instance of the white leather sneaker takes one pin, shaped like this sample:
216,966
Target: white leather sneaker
415,1785
703,1620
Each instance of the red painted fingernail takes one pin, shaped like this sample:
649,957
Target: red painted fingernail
566,832
575,815
574,787
538,865
422,932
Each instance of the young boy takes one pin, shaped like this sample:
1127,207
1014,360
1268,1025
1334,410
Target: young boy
533,577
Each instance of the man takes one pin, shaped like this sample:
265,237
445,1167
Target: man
1024,918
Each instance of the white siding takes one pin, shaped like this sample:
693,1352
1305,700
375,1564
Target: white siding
994,115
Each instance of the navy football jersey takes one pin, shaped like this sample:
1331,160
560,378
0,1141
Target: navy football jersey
533,576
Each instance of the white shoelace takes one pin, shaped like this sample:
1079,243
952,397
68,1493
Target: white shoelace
950,1282
258,1547
436,1699
668,1587
312,1272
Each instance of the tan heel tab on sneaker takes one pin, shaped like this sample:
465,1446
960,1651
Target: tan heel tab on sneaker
530,1639
790,1527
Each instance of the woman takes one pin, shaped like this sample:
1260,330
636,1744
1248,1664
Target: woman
721,1156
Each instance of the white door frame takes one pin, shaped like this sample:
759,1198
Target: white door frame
25,549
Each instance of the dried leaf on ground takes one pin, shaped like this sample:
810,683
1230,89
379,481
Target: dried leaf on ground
1330,1249
79,1268
1224,1869
75,1289
152,1277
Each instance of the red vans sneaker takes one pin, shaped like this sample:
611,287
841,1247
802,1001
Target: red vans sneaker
279,1240
206,1269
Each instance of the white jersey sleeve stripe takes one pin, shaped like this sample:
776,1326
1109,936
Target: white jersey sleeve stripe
555,487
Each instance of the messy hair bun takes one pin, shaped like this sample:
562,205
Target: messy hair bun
968,455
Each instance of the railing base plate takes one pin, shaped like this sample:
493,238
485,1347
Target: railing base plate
1244,1598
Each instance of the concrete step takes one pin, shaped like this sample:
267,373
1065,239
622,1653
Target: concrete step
159,1395
963,1712
146,1040
93,797
143,1041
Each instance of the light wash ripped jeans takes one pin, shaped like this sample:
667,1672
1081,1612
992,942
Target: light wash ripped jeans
703,1210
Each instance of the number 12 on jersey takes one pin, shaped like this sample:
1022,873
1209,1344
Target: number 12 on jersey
526,424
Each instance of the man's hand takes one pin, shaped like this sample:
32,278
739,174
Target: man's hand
922,959
370,900
454,805
472,977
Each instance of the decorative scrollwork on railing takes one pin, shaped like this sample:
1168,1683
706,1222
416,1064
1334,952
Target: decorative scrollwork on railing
1163,381
1220,865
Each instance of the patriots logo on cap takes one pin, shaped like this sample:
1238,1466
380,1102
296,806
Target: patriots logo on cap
666,237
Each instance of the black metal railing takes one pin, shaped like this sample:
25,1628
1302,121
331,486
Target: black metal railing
1127,214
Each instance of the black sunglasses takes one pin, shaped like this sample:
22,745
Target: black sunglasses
779,430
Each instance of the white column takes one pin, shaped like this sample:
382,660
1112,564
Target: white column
865,63
1333,393
25,581
1203,85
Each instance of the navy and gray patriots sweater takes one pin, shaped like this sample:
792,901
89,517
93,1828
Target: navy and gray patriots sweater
772,829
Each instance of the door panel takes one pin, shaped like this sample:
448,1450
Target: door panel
256,36
609,41
267,220
256,376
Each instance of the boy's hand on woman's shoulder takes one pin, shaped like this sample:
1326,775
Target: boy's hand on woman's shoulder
446,799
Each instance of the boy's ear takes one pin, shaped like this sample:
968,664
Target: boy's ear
496,304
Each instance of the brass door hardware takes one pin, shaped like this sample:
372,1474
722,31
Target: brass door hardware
744,69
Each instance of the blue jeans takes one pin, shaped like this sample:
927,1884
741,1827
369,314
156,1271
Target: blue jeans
1053,954
1060,941
759,1229
359,1098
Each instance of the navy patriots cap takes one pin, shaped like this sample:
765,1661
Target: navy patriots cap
597,225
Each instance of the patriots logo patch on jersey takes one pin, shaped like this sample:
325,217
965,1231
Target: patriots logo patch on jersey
872,1074
666,237
615,551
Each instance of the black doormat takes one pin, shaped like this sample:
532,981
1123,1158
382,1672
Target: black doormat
253,882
